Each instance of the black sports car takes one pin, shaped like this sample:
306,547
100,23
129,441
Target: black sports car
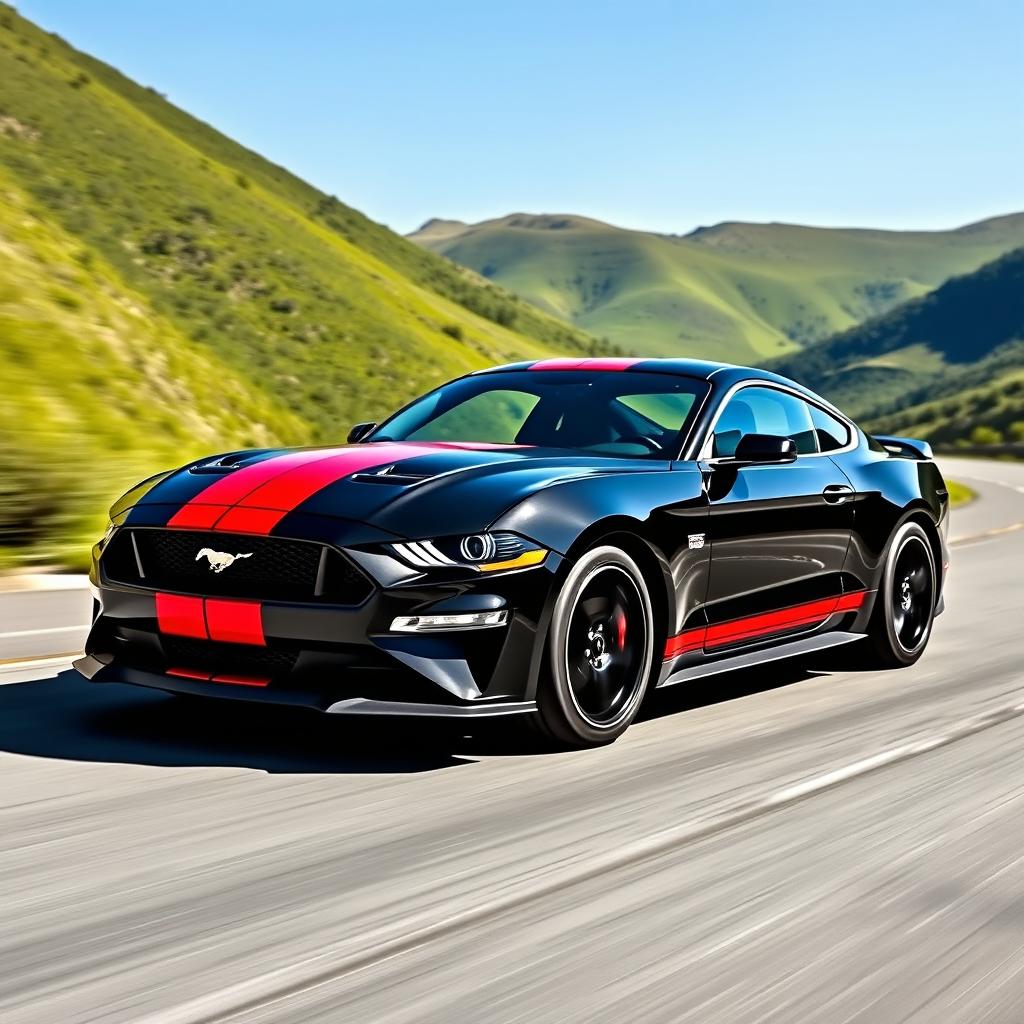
549,539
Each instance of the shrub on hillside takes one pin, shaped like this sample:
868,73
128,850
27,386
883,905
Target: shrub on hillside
986,435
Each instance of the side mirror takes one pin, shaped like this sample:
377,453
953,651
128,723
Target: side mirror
757,449
359,431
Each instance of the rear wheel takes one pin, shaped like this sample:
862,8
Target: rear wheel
905,606
600,648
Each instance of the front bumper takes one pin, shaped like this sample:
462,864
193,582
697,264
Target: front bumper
315,698
335,659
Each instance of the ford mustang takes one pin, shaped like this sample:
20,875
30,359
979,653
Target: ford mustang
552,540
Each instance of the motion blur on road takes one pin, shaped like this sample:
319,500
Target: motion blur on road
791,844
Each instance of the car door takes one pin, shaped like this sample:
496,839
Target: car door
779,533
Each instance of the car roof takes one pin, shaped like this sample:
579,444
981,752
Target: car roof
725,374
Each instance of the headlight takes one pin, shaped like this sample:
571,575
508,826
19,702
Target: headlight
484,552
108,534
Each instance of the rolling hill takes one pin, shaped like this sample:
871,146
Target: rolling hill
948,366
735,291
165,292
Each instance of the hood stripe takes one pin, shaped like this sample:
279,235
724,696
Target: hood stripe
256,498
226,490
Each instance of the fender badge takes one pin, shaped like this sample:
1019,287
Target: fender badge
696,541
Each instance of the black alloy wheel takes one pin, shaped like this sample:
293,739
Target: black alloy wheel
901,623
601,650
912,594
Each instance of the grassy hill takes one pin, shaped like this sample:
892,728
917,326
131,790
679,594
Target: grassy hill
739,292
165,292
948,366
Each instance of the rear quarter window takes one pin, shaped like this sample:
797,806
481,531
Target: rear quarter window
832,432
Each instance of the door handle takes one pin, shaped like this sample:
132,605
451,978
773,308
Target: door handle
836,494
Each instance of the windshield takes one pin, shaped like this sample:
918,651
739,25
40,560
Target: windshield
605,413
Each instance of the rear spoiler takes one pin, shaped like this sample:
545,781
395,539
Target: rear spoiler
906,447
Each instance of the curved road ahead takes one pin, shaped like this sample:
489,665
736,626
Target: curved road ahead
793,844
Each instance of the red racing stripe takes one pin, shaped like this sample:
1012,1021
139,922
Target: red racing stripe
611,363
181,616
188,673
226,490
235,622
242,680
752,626
230,622
197,517
206,677
249,520
256,498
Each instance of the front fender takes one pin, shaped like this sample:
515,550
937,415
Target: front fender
664,510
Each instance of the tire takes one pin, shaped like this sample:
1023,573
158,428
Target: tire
600,651
901,622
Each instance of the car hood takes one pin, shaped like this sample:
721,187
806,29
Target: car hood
408,489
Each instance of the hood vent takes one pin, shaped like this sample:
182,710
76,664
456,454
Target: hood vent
391,475
223,464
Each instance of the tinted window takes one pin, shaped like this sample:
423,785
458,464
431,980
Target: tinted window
495,416
605,413
764,411
832,433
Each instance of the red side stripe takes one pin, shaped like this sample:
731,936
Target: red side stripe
769,622
691,640
235,622
850,602
752,626
181,616
618,363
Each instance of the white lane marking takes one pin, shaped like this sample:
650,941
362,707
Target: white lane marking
42,632
334,964
29,669
996,531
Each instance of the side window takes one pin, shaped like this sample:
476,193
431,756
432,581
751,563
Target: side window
832,433
757,410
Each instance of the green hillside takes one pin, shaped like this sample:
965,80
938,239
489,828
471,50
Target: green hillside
948,366
739,292
164,292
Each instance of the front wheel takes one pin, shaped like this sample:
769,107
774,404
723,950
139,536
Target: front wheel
905,606
600,649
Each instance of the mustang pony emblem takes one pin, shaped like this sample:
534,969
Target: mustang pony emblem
220,560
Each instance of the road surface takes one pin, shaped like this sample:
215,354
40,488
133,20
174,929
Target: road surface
792,844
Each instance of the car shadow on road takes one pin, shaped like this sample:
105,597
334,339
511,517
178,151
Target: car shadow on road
69,718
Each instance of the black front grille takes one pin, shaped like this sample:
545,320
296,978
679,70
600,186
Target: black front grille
264,568
233,659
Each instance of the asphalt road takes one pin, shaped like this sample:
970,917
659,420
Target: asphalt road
793,844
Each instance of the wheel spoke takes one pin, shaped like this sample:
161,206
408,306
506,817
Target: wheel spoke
606,644
912,590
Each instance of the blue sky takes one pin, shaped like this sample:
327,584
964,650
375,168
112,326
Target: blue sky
658,115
